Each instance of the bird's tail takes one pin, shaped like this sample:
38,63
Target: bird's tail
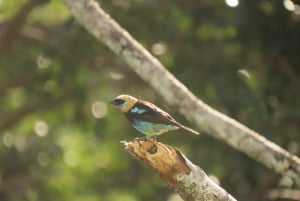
188,129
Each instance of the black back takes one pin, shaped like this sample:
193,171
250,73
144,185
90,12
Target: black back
151,114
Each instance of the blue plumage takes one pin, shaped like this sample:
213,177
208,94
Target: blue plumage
137,110
152,129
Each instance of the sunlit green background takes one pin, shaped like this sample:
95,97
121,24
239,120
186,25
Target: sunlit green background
59,138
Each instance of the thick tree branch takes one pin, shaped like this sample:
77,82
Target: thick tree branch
177,171
106,30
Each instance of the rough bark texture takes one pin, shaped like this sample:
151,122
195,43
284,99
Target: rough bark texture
177,171
106,30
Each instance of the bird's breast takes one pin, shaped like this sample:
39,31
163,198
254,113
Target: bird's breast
151,129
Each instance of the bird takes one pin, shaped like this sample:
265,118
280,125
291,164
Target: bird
147,117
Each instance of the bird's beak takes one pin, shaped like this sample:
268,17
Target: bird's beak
112,102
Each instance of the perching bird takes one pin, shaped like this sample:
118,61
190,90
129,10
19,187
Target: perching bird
147,117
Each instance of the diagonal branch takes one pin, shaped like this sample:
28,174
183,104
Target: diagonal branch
220,126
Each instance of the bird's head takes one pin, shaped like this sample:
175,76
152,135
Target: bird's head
124,102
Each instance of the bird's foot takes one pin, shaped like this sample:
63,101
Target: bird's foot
146,138
154,137
141,138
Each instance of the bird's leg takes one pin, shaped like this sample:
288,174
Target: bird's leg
145,138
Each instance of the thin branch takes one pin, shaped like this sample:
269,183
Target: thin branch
189,180
14,26
27,79
220,126
284,194
17,116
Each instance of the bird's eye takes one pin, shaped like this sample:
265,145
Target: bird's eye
119,101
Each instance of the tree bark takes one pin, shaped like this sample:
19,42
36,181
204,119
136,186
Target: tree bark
214,123
189,180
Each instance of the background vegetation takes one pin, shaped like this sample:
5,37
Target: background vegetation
59,138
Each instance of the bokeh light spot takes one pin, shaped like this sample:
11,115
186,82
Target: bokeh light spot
17,97
232,3
286,182
71,158
174,197
8,139
159,48
267,7
50,85
289,5
43,62
116,76
20,144
43,159
41,128
99,109
244,73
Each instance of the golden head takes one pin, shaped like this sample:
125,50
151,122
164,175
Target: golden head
124,102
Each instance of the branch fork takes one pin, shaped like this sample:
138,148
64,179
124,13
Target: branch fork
189,180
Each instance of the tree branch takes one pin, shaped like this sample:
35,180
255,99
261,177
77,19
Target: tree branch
284,194
177,171
27,79
15,117
106,30
13,28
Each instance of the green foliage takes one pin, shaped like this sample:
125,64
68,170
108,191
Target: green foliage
9,8
59,137
51,14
